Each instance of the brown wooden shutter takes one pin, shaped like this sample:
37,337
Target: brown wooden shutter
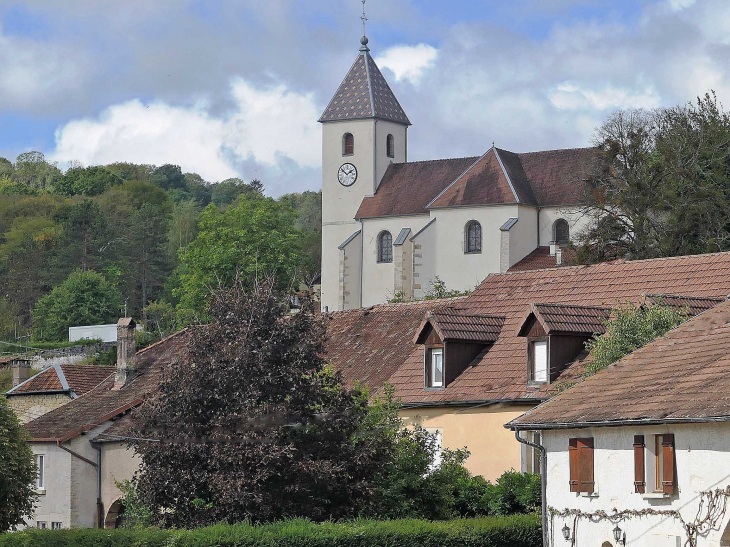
585,459
639,471
668,478
581,465
349,147
573,454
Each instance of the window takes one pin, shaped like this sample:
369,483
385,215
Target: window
531,455
473,236
539,358
56,525
348,144
436,367
639,467
41,525
654,464
561,230
664,466
390,146
40,482
438,434
581,465
385,247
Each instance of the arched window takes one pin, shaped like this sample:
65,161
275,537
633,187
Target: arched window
561,232
385,247
348,144
390,146
473,237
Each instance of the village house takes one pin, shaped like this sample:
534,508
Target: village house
31,397
638,454
462,368
390,226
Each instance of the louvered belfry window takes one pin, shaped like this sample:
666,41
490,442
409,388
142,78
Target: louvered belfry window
473,237
348,144
581,465
385,247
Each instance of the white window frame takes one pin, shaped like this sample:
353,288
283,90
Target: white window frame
40,481
56,525
41,525
432,363
545,370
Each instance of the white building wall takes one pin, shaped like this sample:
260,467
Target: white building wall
349,293
577,220
523,235
54,501
105,333
379,277
702,461
458,270
424,258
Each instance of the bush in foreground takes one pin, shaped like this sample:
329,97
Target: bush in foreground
518,531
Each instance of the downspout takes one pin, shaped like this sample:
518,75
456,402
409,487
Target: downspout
543,483
538,226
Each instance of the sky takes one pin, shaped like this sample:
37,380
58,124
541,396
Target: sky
234,88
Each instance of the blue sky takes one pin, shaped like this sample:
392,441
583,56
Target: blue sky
234,87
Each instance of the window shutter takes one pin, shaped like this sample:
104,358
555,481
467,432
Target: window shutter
573,454
585,458
639,471
668,478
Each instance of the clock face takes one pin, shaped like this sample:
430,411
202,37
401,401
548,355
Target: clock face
347,174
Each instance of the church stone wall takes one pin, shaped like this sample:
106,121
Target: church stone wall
424,260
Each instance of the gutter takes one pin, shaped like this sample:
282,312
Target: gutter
617,423
470,404
543,484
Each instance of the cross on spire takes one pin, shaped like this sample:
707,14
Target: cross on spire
363,18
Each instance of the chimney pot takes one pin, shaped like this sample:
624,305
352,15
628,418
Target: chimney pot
21,371
559,256
126,350
553,248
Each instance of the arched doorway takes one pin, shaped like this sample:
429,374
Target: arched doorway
115,516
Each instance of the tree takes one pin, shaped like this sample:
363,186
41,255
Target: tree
85,298
248,240
32,169
196,188
183,226
86,181
168,177
629,329
131,171
226,192
17,471
84,236
665,186
253,423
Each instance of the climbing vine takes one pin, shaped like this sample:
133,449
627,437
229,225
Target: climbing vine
710,513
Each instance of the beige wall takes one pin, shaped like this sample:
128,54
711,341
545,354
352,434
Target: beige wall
523,235
493,448
576,220
30,407
118,463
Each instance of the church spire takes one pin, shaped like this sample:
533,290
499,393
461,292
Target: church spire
364,93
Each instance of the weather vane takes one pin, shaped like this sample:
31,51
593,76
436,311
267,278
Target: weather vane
364,17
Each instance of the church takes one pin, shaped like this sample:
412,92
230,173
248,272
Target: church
390,226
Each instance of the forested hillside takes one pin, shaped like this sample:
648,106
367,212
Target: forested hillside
79,246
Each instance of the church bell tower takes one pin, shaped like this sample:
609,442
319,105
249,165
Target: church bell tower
364,130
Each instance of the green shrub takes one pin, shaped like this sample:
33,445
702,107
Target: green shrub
518,531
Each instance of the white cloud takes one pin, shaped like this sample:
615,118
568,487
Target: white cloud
266,126
33,75
408,62
570,96
677,5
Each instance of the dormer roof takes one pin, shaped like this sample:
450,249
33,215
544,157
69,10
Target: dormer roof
451,325
364,93
567,319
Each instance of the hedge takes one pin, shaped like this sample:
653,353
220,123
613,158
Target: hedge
516,531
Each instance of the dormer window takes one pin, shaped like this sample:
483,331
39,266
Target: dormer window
348,144
436,368
390,146
539,361
451,341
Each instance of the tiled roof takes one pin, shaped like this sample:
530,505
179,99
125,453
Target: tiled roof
407,188
540,259
76,378
566,318
682,376
498,373
364,93
453,325
368,345
552,177
101,403
695,305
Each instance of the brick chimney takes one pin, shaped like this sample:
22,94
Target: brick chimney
126,349
21,370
